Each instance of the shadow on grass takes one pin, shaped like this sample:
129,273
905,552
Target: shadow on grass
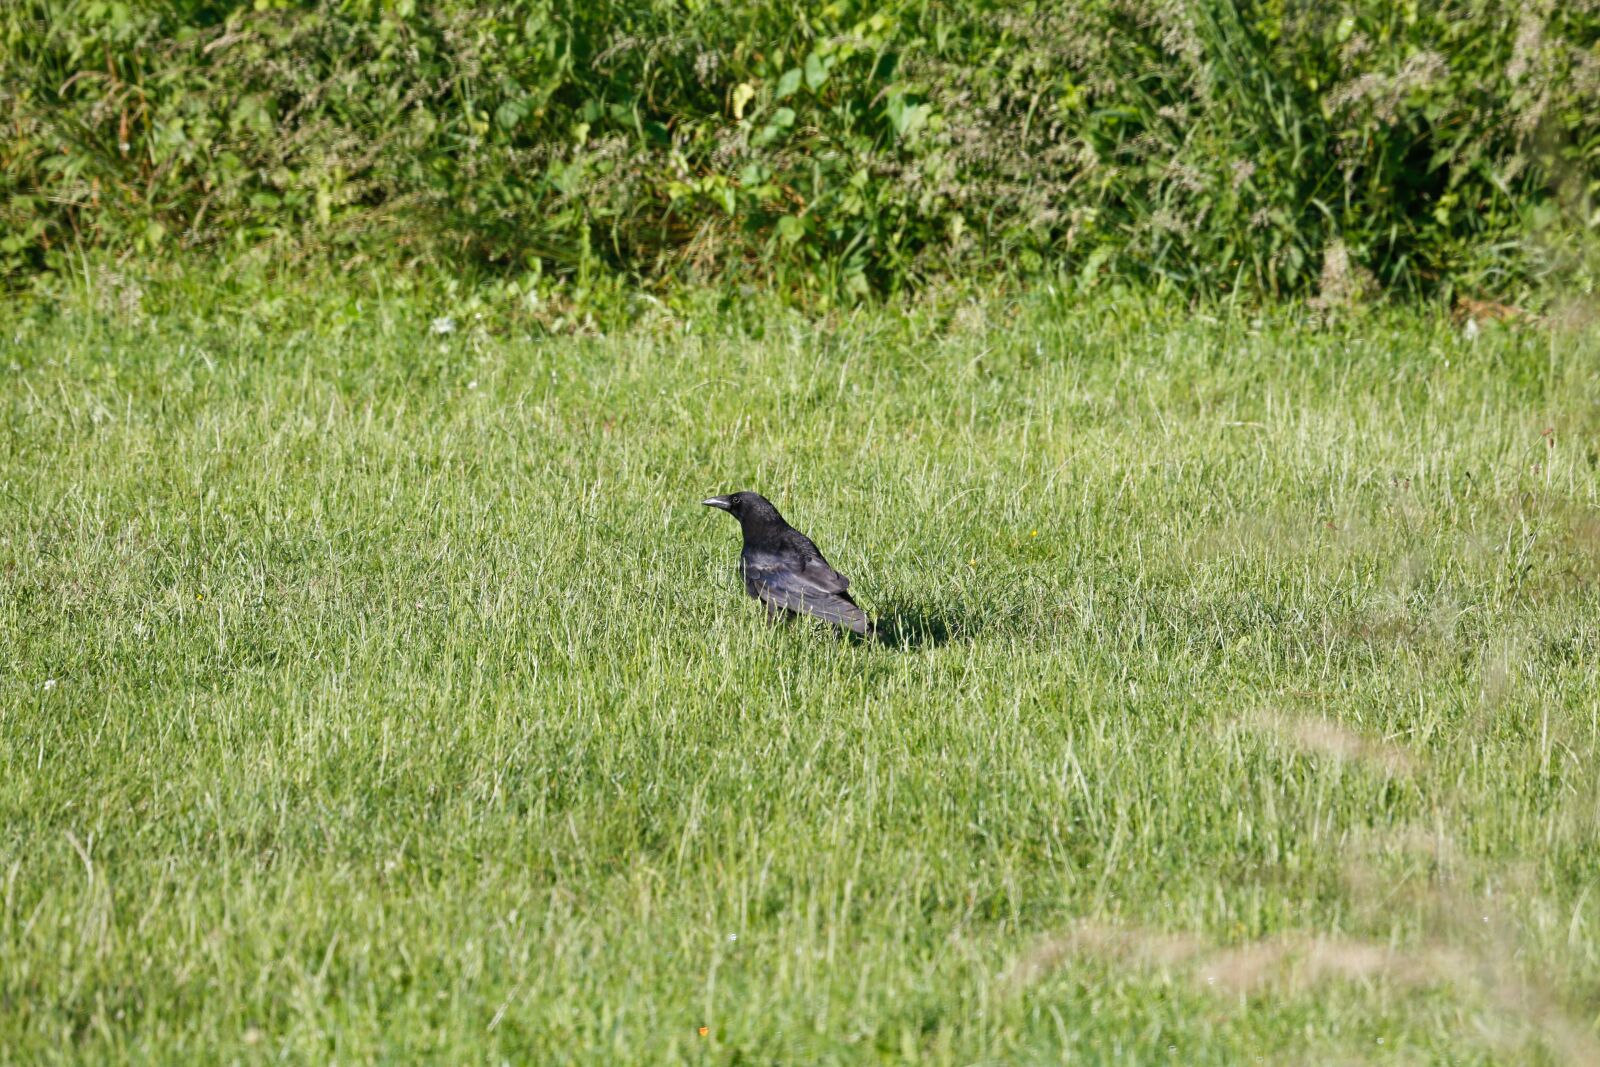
906,627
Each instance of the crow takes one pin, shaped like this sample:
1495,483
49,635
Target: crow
783,569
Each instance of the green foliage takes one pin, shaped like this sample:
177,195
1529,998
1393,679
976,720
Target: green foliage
840,147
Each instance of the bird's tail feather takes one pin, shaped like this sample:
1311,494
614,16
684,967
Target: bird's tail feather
838,610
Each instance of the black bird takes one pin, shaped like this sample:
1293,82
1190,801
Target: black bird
783,569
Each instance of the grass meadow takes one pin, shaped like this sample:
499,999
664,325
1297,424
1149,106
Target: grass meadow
372,694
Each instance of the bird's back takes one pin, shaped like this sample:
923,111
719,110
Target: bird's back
787,572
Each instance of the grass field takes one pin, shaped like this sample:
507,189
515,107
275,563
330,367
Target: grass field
372,695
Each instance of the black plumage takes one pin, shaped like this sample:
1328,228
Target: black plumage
783,569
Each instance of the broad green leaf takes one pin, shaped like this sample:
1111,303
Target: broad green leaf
508,115
791,229
816,73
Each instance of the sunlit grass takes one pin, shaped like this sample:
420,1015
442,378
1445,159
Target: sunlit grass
369,692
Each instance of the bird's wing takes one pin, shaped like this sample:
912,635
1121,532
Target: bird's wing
815,569
807,588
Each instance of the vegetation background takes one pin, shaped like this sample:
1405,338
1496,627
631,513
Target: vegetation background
830,149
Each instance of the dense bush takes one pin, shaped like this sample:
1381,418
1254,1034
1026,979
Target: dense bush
1269,145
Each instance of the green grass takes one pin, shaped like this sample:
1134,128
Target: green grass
367,695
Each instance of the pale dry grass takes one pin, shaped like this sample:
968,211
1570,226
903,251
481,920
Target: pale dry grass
1318,736
1284,965
1282,968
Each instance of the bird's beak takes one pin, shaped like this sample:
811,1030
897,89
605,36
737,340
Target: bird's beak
716,502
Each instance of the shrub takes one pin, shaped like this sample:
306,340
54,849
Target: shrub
840,148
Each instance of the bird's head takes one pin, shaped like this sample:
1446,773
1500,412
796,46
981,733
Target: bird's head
749,508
